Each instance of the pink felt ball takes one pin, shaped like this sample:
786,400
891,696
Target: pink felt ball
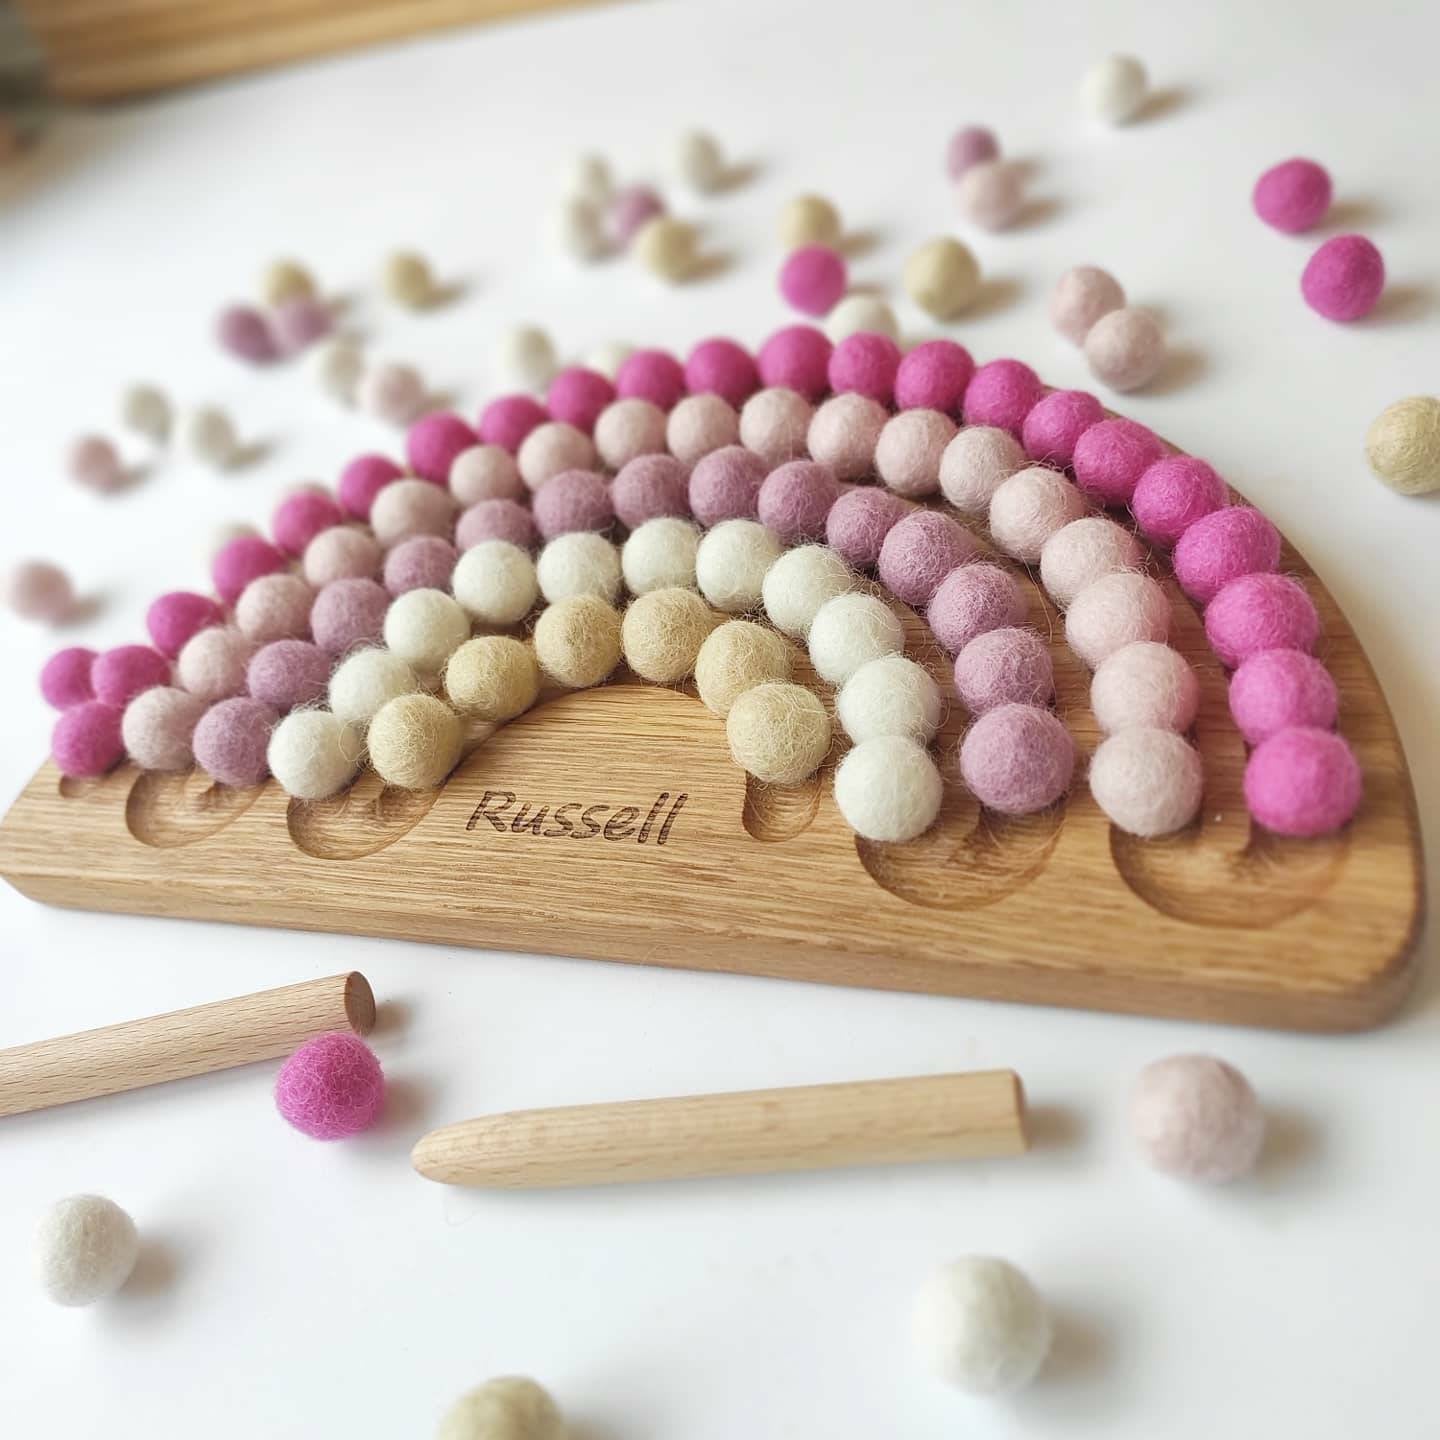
909,451
1302,781
1223,546
1195,1117
844,433
65,677
920,551
242,560
813,278
797,358
231,740
725,485
120,674
94,462
865,364
299,518
158,728
485,472
577,396
1343,278
1260,612
860,520
1111,456
174,617
649,487
1008,666
629,210
287,673
348,613
775,423
212,664
971,600
496,520
433,442
1002,393
933,376
627,429
331,1087
1293,196
1276,689
298,323
795,498
243,331
424,562
508,419
343,552
1017,759
1173,494
86,739
721,367
699,425
574,500
1055,424
970,145
653,375
362,480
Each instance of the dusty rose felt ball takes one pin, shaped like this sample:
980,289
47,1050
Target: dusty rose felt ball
991,194
158,728
573,500
775,424
485,472
287,673
629,209
1173,494
653,375
348,613
1111,456
865,364
275,607
331,1087
813,278
412,507
975,464
1055,424
797,358
496,520
297,323
1002,393
362,480
231,739
242,560
1008,666
910,449
93,461
795,498
1126,348
119,675
971,600
722,367
212,664
860,520
933,376
649,487
1301,781
1082,551
700,425
628,428
65,677
844,433
1030,507
174,617
1017,759
433,442
920,551
1276,689
1254,613
1196,1117
86,740
725,485
243,331
1223,546
970,145
1344,278
578,396
508,419
1115,611
423,562
298,519
343,552
1293,196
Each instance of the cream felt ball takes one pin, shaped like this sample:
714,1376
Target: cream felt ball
1083,551
577,641
891,695
861,315
414,741
412,507
1114,89
800,582
849,631
1144,684
736,657
667,247
425,627
1030,507
731,562
550,449
275,607
212,664
888,789
774,423
1125,348
1115,611
991,195
158,727
1147,781
581,563
524,356
976,463
1196,1117
366,681
844,433
778,732
1403,445
493,678
627,429
809,220
697,160
343,552
314,754
1081,296
496,582
909,451
942,277
700,424
660,554
85,1249
485,472
509,1407
980,1324
662,632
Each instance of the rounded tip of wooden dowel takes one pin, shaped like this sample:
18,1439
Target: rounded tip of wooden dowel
359,1003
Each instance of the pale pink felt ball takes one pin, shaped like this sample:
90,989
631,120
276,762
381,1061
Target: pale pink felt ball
508,419
722,367
412,507
969,146
65,677
1254,613
1114,611
577,396
1276,690
700,425
860,520
933,376
1009,666
1055,424
391,392
119,675
362,480
344,552
1083,551
287,673
174,617
231,739
423,562
1221,547
1029,507
1148,781
725,485
813,278
243,331
38,590
298,519
349,613
920,551
275,607
649,487
1173,494
797,357
795,499
1017,759
485,472
775,423
86,740
551,449
991,194
433,442
1146,684
496,520
1301,781
1002,393
1195,1117
629,210
972,600
1126,348
975,464
1293,196
1081,296
94,462
866,364
844,433
909,451
1344,278
627,429
212,664
574,500
653,375
297,323
1111,456
242,560
158,728
331,1087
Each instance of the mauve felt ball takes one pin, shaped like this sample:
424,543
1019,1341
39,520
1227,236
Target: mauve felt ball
423,562
348,613
970,145
1002,393
1343,278
649,487
86,740
1172,494
1276,689
1110,458
971,600
865,364
298,323
119,675
653,375
1222,546
65,677
1195,1117
300,518
1017,759
38,590
577,396
933,376
243,331
1293,196
174,617
573,500
242,560
797,358
1055,424
331,1087
910,449
158,728
231,740
725,485
844,432
721,367
860,520
508,419
496,520
94,462
1260,612
287,673
1008,666
795,498
1301,781
433,442
362,480
920,551
813,278
628,210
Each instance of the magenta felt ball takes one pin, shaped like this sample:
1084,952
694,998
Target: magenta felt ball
348,613
362,480
1303,782
648,487
242,560
860,520
972,600
721,367
119,675
933,376
331,1087
174,617
1260,612
86,739
865,364
1002,394
1277,689
1293,195
243,331
1173,494
725,485
1223,546
812,279
508,419
653,375
433,442
570,501
287,673
1009,666
1055,424
423,562
797,358
577,396
1017,759
1344,278
231,740
1111,456
496,520
970,145
795,499
629,210
298,519
920,552
300,322
65,677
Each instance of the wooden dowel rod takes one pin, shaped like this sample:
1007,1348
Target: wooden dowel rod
810,1127
184,1042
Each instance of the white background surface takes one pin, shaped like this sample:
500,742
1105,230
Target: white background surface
292,1289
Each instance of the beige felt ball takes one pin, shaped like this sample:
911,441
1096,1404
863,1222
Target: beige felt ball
698,160
412,507
553,447
774,424
366,681
509,1407
660,555
942,277
414,741
662,633
408,280
666,247
736,657
861,315
313,754
1125,348
700,424
495,581
286,280
425,628
577,641
1114,611
578,563
779,733
1403,445
627,429
343,552
731,563
809,220
492,677
1084,550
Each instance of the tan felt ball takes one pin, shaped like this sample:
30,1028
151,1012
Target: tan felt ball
942,277
414,741
1403,445
809,220
662,633
737,657
493,677
577,641
286,280
778,732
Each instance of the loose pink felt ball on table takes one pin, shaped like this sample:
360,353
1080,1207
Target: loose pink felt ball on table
65,677
920,551
860,520
433,442
865,364
1197,1118
362,480
300,518
1260,612
1223,546
721,367
700,425
1111,456
231,740
1344,278
287,673
1277,689
94,462
797,358
933,376
86,739
653,375
970,145
496,520
242,560
1172,494
795,499
508,419
120,674
1293,196
577,396
1055,424
174,617
243,331
343,552
1302,782
813,278
648,487
629,210
725,485
298,323
331,1087
971,600
844,433
1017,759
910,449
424,562
485,472
348,613
1008,666
572,501
1002,393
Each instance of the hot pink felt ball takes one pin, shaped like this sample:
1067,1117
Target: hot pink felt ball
725,485
433,442
795,499
933,376
971,600
970,145
1343,278
1017,759
865,364
496,520
649,487
722,367
629,210
653,375
298,519
860,520
231,740
348,613
1173,494
86,739
174,617
1008,666
699,425
1055,424
287,673
577,396
424,562
1002,393
1111,456
508,419
244,332
797,358
1293,196
573,500
297,323
331,1087
1260,612
844,432
1276,689
242,560
920,551
813,278
1223,546
362,480
1303,781
119,675
65,677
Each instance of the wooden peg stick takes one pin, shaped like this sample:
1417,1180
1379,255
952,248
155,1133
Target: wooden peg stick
184,1042
810,1127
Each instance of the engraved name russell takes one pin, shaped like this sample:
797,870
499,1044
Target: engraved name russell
576,820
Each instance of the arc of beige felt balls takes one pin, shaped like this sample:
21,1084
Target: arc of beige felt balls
888,789
1403,445
731,563
496,582
314,754
414,741
660,555
942,277
891,695
778,732
85,1249
524,356
809,220
662,633
366,681
425,628
408,279
578,563
850,630
286,280
493,678
577,641
800,582
861,315
510,1407
1125,348
736,657
1147,781
666,247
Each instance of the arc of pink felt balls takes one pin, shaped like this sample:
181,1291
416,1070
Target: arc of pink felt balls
362,480
508,419
1255,613
933,376
1172,494
433,442
653,375
178,616
577,396
1223,546
797,358
813,278
1275,690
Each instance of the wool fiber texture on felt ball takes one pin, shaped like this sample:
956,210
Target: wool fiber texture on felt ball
648,487
344,552
1144,684
1114,611
485,472
1110,458
888,789
865,363
577,641
975,464
275,607
572,500
1114,89
933,376
660,555
891,695
725,485
287,673
860,315
850,630
667,247
628,429
414,741
552,448
493,678
509,1407
992,194
731,562
860,520
578,396
971,600
798,358
347,613
213,663
662,632
85,1249
1172,494
158,727
1403,445
1277,689
809,220
1081,296
1223,546
1030,507
231,738
1083,551
942,277
1344,279
299,518
800,582
909,451
699,425
241,560
86,739
970,145
778,732
496,582
423,562
506,520
314,754
412,507
736,657
1125,348
844,433
1196,1117
1255,613
1147,781
434,441
366,681
1302,781
425,627
980,1324
1007,666
332,1087
581,563
774,423
65,677
120,674
795,499
1054,426
920,551
1017,759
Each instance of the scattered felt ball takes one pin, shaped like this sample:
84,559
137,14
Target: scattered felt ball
213,662
336,365
628,210
231,739
991,194
1403,445
1344,278
423,562
362,480
1221,547
809,220
408,280
1274,690
860,520
971,600
274,607
347,613
942,277
392,392
572,500
288,673
628,429
1083,551
969,146
146,410
725,484
425,627
662,632
313,754
579,563
121,673
797,357
795,498
1017,759
774,423
589,177
1148,781
85,1249
648,487
1146,684
1114,89
65,677
493,678
365,681
1002,393
552,448
778,732
799,583
1172,494
660,555
87,740
242,330
1006,666
890,695
344,552
653,375
1197,1118
1114,611
1254,613
485,472
331,1087
496,583
577,228
698,161
888,789
94,462
496,520
1081,296
975,464
414,741
850,630
844,433
732,561
861,315
667,247
1301,781
1030,507
700,425
510,1407
865,363
1055,424
1293,196
285,280
38,590
1125,348
813,278
909,451
920,551
297,324
577,641
735,657
211,438
158,728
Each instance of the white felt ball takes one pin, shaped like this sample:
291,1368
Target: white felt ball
588,176
509,1407
146,410
732,561
861,315
850,631
210,437
607,357
1030,507
1113,89
313,754
336,365
425,627
1115,611
698,161
1196,1117
524,357
580,563
660,555
975,464
365,681
1083,551
1126,348
577,229
982,1325
1146,684
888,789
889,696
1148,782
799,583
496,582
85,1249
